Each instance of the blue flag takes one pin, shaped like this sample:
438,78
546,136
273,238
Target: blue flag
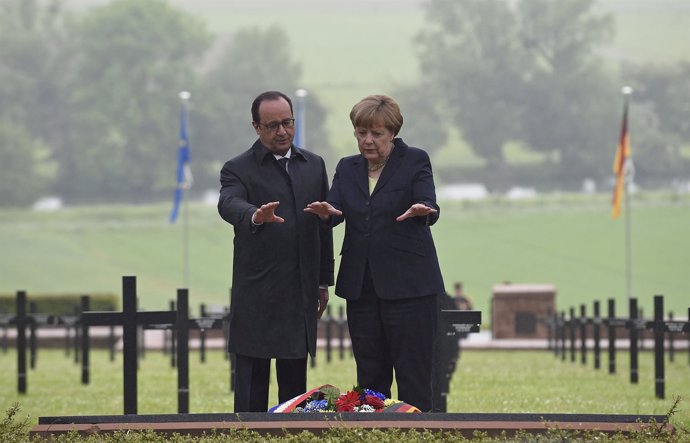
299,131
299,139
184,173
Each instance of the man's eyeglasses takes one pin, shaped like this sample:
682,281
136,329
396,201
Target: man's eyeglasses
273,126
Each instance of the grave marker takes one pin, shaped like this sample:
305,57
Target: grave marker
583,334
660,327
129,319
633,331
20,322
596,332
453,325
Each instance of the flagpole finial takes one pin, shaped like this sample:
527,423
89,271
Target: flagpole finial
301,92
185,95
627,90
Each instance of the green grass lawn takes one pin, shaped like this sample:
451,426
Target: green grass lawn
569,241
485,381
572,244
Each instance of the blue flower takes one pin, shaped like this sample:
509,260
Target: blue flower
375,394
316,405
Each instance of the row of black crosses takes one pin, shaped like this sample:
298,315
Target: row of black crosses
176,320
130,320
562,329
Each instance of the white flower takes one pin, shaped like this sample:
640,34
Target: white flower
364,408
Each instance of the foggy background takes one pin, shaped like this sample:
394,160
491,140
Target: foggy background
502,93
513,99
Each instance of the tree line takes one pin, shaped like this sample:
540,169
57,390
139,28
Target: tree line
533,73
88,112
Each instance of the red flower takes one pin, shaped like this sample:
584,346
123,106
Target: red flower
347,402
374,402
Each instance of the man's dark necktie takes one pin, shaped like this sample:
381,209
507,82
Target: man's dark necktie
284,163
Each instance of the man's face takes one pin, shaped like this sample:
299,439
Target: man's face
272,113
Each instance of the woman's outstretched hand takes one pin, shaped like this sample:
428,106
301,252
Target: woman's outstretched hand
323,209
416,210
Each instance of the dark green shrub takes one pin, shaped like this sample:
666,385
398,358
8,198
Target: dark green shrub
60,304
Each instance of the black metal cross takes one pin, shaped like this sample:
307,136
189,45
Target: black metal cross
454,324
129,318
661,327
461,322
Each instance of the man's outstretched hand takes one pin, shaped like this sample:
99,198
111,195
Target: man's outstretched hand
267,214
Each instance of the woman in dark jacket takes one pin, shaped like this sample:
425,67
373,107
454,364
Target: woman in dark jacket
389,272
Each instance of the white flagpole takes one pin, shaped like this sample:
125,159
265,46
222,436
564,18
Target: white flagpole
628,173
184,98
301,117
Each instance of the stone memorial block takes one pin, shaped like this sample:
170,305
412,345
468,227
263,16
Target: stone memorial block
521,310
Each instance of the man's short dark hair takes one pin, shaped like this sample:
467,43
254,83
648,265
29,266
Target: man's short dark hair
268,95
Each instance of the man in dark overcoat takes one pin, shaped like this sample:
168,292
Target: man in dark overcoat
283,256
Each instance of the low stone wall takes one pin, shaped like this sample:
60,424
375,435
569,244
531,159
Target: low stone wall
278,424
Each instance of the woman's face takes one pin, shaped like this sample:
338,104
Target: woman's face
374,142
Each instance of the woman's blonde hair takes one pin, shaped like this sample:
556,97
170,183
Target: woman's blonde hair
377,109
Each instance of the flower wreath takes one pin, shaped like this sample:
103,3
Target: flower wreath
328,398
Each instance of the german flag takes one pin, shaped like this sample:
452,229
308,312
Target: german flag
619,164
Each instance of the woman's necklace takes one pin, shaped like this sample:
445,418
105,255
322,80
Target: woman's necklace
376,166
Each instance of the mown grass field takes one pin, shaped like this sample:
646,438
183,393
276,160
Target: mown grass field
485,381
568,240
